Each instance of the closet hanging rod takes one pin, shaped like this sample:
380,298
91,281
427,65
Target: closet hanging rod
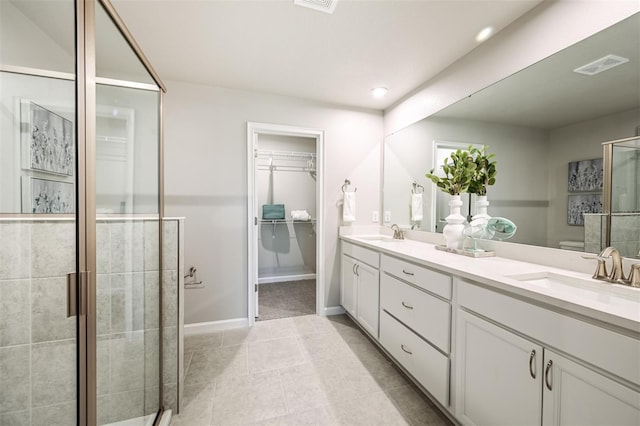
285,154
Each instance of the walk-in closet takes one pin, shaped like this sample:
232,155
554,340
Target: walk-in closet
285,176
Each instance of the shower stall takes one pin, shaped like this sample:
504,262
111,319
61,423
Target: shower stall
619,224
84,282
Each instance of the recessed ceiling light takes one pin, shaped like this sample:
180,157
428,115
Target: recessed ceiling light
378,92
484,34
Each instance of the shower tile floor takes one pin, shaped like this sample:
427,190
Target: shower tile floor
305,370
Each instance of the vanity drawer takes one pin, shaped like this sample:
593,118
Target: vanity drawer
364,255
425,314
428,366
435,282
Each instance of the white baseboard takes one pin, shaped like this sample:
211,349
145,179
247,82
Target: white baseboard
212,326
286,278
334,310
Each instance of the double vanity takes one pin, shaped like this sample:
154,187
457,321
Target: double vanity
495,340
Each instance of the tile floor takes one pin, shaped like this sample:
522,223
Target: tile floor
304,370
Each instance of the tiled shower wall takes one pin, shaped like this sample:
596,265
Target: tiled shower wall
625,233
38,342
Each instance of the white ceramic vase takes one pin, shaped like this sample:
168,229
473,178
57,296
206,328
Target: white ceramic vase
455,224
481,208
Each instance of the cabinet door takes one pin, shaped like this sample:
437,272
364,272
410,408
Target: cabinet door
348,285
498,375
368,298
576,395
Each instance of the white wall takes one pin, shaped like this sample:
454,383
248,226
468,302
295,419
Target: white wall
206,182
24,44
545,30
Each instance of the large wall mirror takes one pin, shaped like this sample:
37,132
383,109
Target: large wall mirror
537,122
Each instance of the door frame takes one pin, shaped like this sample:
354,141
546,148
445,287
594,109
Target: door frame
254,130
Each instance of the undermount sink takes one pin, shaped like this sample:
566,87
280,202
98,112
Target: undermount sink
590,289
381,238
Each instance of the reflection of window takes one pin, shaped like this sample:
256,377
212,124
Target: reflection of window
114,159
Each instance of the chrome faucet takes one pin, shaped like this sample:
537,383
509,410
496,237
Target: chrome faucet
397,233
617,274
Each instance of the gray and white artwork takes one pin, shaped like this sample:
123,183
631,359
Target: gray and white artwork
50,196
580,204
51,142
586,175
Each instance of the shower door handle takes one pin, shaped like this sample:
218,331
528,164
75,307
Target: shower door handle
77,293
72,294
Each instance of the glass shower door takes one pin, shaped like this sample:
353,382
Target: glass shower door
38,233
127,189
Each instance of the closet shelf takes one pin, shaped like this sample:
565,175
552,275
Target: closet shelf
278,221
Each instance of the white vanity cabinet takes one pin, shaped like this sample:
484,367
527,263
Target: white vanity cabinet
415,322
360,285
518,363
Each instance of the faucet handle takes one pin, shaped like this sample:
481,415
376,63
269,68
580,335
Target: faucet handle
634,275
601,269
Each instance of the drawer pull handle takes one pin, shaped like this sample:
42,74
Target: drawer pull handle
546,374
408,273
406,350
531,358
407,306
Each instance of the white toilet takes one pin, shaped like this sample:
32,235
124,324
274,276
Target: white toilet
572,245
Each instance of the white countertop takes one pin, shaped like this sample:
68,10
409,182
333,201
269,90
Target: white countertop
613,304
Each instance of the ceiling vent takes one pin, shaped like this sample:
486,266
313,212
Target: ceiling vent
601,65
326,6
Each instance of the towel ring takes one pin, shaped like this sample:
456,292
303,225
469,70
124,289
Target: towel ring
416,185
346,184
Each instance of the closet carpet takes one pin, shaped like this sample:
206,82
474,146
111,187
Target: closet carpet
287,299
306,370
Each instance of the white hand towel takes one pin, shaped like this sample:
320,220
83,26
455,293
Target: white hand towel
349,207
416,207
301,215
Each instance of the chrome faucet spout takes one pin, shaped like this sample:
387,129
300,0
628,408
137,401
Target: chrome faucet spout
617,274
397,233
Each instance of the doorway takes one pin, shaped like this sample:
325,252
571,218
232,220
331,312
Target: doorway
285,221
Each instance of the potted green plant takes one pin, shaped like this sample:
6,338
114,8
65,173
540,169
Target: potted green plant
458,175
484,175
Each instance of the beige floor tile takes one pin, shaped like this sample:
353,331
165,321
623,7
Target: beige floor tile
295,326
416,408
370,410
197,404
208,365
319,416
304,387
237,336
201,341
298,371
248,399
274,354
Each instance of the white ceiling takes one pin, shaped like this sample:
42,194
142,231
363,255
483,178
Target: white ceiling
276,47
